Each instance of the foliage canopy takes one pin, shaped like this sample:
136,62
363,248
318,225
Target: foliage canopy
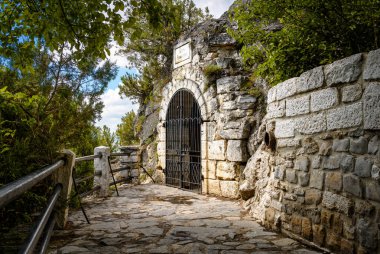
282,38
51,79
151,38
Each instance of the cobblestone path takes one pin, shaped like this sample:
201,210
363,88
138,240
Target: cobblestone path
160,219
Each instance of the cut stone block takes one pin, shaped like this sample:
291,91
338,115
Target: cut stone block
286,88
229,189
359,146
334,201
372,107
226,170
351,184
363,167
217,150
237,150
333,181
316,179
284,128
372,66
351,93
344,70
323,99
341,145
298,106
310,80
310,124
345,116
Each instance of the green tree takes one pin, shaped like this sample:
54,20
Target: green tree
283,38
151,37
51,79
43,111
86,25
125,130
107,138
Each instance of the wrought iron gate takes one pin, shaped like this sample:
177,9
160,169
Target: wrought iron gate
183,142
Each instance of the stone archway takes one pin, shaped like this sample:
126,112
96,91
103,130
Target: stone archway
167,93
183,142
171,88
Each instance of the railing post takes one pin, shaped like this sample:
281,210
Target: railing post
63,176
101,164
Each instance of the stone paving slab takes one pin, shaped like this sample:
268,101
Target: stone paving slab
160,219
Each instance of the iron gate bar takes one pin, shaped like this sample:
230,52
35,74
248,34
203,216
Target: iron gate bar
183,153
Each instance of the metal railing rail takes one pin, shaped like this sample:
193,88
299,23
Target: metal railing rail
121,169
42,230
88,158
82,195
49,231
123,180
113,171
32,241
14,189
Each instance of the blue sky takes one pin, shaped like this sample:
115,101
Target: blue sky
114,106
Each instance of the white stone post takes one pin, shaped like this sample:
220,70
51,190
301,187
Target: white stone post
101,165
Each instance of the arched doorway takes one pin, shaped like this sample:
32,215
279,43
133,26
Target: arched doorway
183,142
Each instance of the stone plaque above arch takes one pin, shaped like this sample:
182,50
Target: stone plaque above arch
182,54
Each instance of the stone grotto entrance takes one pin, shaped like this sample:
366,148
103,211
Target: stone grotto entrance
183,142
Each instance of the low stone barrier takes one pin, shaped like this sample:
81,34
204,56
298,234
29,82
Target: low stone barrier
321,181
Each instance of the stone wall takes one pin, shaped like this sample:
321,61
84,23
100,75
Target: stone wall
321,180
130,161
226,108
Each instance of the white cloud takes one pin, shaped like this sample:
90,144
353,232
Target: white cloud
216,7
114,108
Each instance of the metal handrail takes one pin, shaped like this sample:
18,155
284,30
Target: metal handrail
83,179
49,231
88,158
120,154
35,236
121,169
90,191
14,189
119,181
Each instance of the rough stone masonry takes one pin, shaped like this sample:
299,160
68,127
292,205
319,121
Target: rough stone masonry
321,182
228,111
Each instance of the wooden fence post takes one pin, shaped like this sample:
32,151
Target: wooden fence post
64,176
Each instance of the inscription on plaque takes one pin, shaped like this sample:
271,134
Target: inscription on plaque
182,55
